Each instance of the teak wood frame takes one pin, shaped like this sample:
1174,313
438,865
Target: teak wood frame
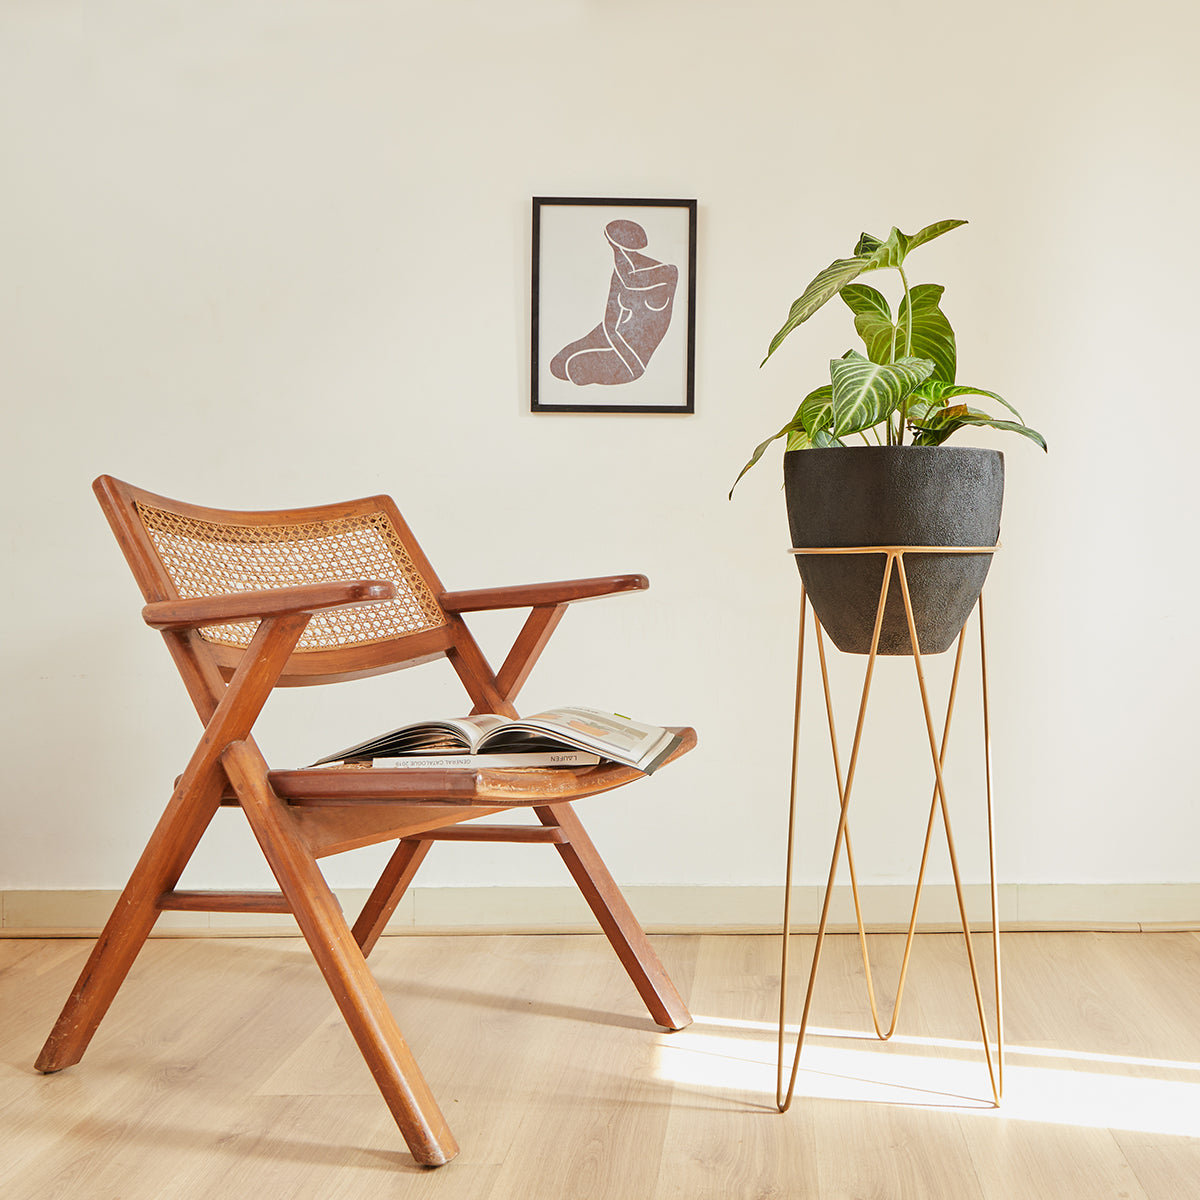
894,560
299,816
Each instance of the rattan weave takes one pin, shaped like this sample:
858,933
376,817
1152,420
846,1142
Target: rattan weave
208,559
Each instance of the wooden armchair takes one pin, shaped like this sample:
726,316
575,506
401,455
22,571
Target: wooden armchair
251,601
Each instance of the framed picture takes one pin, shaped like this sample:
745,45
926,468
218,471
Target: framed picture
614,297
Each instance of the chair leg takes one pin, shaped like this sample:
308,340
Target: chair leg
227,713
616,918
388,892
158,870
341,961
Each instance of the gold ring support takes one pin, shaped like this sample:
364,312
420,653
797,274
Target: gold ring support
895,561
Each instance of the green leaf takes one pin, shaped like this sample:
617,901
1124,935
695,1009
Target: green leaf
935,424
932,336
824,287
815,413
891,252
868,243
758,453
932,231
921,412
937,392
870,254
865,393
809,426
872,320
864,300
895,248
799,439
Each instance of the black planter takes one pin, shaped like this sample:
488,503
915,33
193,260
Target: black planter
894,496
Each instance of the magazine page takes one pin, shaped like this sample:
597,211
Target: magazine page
560,756
607,734
446,736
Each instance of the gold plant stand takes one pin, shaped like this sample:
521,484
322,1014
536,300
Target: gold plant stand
895,561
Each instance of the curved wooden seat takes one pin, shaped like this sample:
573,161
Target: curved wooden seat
522,787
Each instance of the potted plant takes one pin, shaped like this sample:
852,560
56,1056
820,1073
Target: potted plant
885,492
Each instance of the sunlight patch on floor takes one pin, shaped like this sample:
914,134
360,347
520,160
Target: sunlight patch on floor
1058,1086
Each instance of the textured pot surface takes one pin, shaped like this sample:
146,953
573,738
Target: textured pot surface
894,496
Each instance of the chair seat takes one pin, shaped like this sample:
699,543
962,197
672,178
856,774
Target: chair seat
349,785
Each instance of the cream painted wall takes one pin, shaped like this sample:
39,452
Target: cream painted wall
265,253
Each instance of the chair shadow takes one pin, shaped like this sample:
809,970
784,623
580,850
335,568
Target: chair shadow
396,987
91,1131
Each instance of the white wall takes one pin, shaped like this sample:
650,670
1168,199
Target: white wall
269,253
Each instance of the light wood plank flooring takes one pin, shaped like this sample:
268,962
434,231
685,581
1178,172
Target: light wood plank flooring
223,1071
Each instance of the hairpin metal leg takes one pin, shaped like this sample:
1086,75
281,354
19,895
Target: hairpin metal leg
995,899
938,802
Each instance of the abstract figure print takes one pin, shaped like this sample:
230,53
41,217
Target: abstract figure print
641,298
613,299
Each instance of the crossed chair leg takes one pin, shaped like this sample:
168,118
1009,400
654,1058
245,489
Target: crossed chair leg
561,828
340,952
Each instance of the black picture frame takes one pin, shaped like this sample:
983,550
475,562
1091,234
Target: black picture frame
613,266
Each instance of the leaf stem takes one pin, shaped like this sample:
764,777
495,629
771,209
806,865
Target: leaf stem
908,331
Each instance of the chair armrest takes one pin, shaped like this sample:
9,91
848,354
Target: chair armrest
541,594
270,602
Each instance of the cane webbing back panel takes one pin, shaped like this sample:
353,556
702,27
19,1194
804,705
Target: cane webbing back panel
205,558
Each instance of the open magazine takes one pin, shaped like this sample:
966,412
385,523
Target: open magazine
568,737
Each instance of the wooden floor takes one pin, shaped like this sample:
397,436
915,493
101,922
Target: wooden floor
223,1071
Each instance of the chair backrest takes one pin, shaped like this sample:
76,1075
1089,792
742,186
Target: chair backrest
183,551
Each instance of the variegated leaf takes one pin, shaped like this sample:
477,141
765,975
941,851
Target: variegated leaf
869,255
937,391
824,287
931,231
866,393
867,244
759,450
803,426
872,320
920,410
816,410
932,335
934,425
891,252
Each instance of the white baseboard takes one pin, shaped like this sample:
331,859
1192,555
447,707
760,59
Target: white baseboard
1145,906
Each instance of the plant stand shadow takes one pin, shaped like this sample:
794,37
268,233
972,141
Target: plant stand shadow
845,781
